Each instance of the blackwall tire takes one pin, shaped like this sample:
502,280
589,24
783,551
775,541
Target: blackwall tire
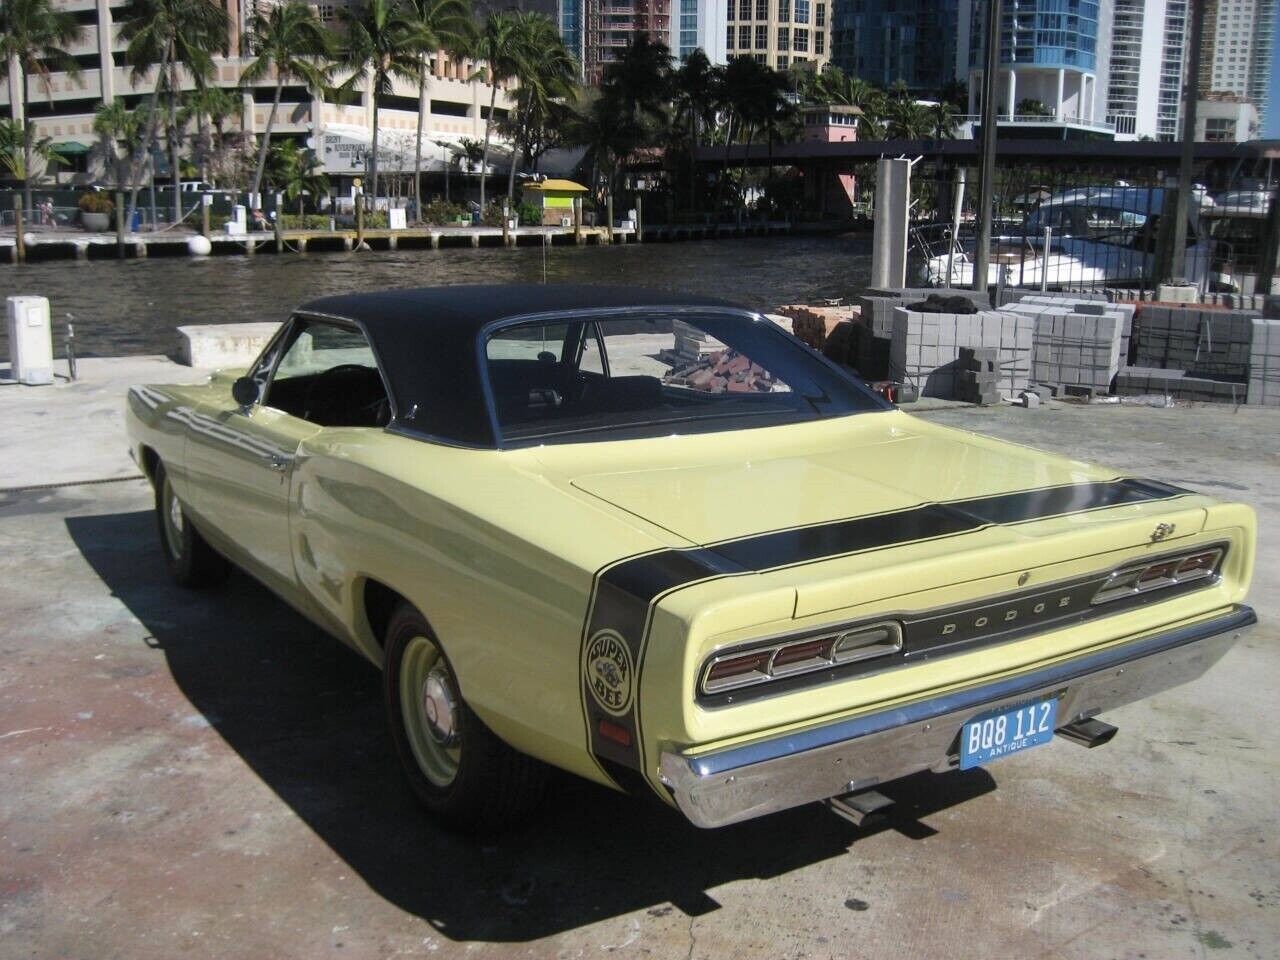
190,559
465,776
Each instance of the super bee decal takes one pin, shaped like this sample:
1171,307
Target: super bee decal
624,594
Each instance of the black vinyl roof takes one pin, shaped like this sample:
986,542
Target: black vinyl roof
426,340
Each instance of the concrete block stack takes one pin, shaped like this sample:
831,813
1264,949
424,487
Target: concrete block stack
1179,384
978,379
1204,342
1062,304
1264,363
925,348
878,304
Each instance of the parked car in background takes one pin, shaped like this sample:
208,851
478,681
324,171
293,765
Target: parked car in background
657,542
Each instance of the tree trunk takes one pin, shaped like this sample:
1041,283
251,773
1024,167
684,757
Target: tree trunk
511,172
488,127
202,134
173,138
148,140
373,152
693,165
28,130
724,170
266,136
417,143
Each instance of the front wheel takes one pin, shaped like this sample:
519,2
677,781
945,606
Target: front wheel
190,559
456,767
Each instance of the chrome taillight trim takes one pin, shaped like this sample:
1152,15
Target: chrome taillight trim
810,665
1126,581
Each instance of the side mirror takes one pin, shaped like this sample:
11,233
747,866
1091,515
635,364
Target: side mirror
245,391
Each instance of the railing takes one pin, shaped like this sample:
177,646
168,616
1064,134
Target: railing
1034,118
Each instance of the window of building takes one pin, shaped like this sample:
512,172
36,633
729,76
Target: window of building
728,39
762,9
820,15
784,11
762,36
784,38
744,9
802,11
744,37
800,40
819,42
783,63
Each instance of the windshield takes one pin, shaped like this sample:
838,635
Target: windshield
657,373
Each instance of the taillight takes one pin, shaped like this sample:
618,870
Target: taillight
1166,572
728,671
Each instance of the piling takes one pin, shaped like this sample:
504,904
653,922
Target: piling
577,220
121,213
608,206
359,220
20,249
639,218
506,223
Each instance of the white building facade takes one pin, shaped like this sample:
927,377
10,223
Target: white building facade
456,105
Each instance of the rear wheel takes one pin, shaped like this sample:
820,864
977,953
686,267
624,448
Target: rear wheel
456,767
190,559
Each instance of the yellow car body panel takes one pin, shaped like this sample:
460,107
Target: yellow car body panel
509,553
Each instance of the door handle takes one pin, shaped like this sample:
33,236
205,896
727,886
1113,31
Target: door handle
279,463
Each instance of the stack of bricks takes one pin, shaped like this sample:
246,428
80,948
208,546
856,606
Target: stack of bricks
1208,343
878,304
925,348
1090,305
1264,364
978,380
814,324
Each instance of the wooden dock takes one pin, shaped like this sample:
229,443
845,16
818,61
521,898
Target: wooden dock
65,245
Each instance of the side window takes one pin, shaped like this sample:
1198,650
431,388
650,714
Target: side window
327,375
591,360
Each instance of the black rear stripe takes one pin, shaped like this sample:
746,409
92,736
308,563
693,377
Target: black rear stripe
624,593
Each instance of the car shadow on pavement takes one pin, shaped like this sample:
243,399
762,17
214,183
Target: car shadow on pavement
305,714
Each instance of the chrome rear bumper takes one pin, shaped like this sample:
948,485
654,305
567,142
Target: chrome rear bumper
737,783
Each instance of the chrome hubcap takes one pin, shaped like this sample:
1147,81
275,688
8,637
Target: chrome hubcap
429,708
174,521
438,707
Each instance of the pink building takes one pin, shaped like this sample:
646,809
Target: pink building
831,194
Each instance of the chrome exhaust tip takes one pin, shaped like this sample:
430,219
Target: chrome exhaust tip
1090,733
864,808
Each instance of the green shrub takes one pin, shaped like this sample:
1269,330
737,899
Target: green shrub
96,202
311,221
530,214
492,215
438,212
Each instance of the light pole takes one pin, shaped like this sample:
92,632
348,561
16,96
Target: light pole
987,169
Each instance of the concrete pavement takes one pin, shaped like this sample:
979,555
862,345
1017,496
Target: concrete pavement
206,775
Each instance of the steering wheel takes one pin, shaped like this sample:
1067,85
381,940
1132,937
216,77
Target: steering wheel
332,400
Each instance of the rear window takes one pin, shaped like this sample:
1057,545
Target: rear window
654,374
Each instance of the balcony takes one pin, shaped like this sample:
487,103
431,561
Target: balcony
968,123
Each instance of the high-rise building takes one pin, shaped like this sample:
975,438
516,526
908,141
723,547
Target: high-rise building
780,33
700,25
1137,46
1235,56
1173,68
339,130
1054,54
598,31
883,41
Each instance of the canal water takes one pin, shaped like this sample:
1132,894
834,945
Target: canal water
132,306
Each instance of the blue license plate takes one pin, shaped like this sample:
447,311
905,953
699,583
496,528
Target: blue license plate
999,733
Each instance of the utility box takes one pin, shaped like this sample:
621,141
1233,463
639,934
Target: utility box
30,340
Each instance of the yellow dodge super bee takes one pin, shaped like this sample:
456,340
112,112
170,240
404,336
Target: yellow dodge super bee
657,542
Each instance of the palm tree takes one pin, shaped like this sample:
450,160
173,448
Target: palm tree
291,43
33,35
17,146
209,106
907,120
472,151
942,116
295,172
118,127
443,25
498,45
697,90
384,40
548,76
169,35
